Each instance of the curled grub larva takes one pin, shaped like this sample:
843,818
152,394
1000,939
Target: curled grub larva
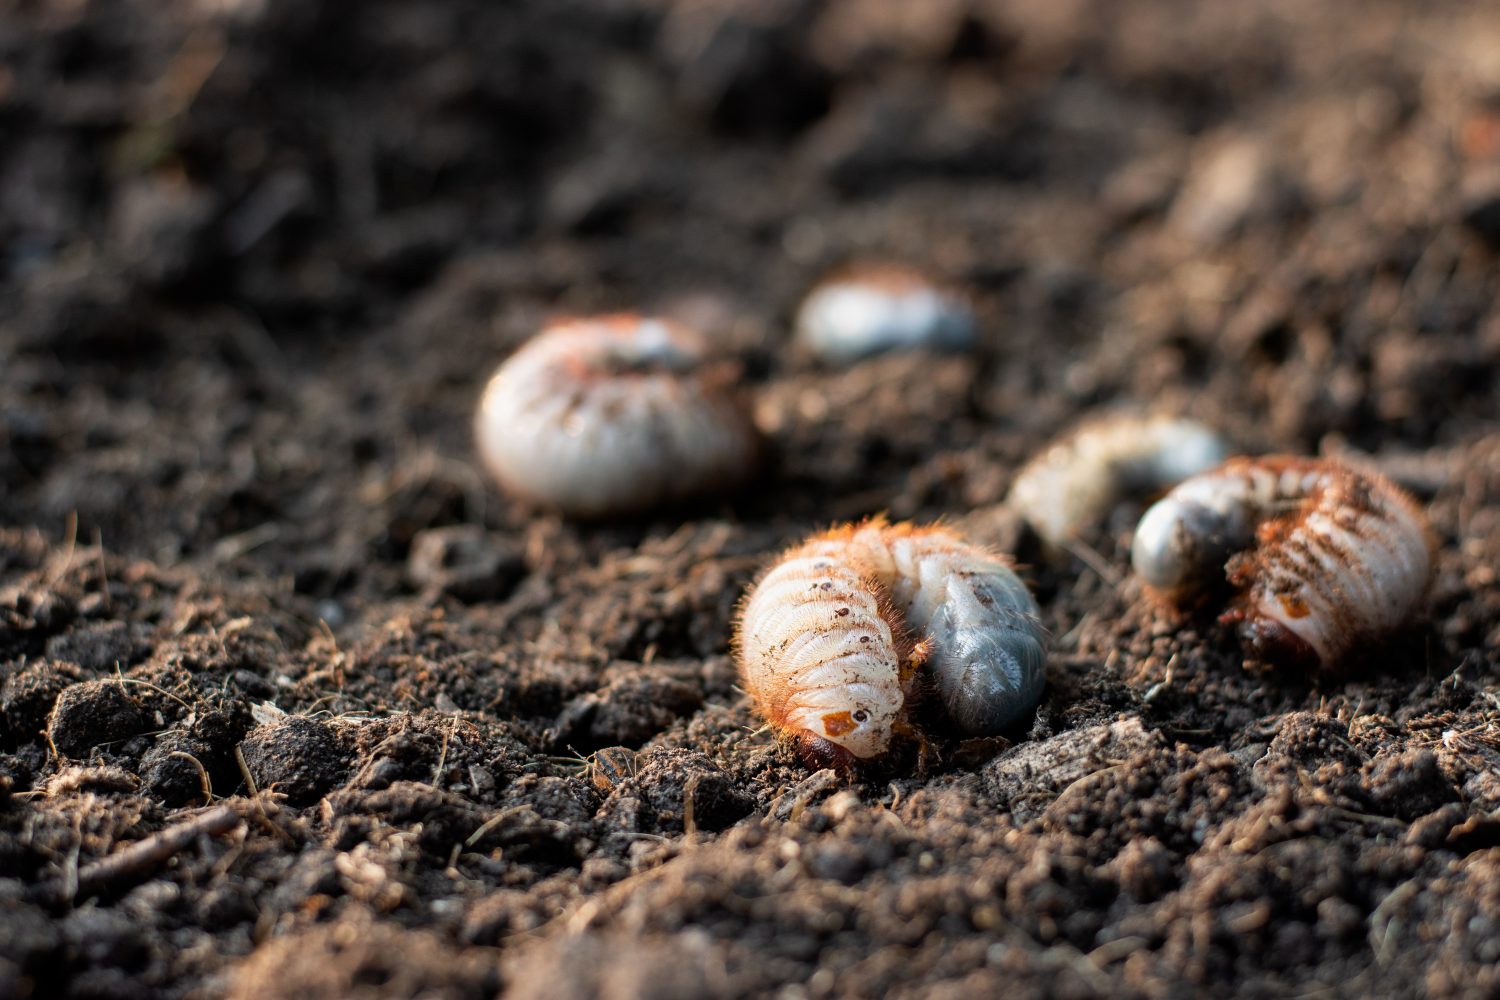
613,414
823,653
1074,482
867,310
1323,557
843,634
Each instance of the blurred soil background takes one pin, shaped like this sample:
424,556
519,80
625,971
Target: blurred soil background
257,258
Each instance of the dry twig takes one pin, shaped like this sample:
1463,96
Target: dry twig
144,856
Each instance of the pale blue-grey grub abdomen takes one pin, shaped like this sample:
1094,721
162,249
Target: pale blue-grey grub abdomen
990,651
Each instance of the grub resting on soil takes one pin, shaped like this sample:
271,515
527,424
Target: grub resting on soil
842,635
1068,487
614,415
868,309
1324,558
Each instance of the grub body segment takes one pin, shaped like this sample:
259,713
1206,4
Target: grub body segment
818,655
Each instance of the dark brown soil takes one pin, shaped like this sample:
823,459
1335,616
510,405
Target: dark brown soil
256,259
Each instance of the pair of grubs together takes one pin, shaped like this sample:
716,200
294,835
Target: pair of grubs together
841,635
613,415
1320,558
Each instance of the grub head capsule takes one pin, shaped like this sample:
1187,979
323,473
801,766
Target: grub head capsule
871,309
614,414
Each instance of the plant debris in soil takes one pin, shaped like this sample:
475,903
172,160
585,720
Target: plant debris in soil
296,704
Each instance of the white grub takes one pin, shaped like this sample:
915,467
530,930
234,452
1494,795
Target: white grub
822,656
1323,557
1073,484
836,640
614,414
872,309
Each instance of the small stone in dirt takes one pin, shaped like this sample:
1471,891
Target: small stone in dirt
299,757
464,561
92,714
27,697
